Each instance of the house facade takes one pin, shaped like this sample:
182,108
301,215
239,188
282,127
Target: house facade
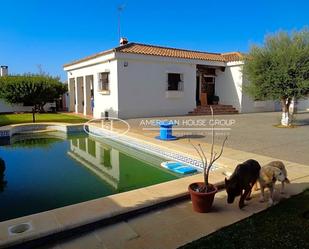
139,80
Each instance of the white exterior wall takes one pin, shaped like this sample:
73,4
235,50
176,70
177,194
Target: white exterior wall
7,108
303,104
4,107
249,105
229,87
143,88
93,67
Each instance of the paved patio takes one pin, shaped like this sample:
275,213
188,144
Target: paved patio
172,226
253,133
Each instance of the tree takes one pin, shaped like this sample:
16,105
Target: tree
279,70
31,90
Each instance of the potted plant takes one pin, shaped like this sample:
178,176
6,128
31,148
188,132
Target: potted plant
215,100
202,193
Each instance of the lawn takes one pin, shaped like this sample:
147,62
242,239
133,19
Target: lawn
7,119
283,226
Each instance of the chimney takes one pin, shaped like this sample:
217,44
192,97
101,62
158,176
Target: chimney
123,41
4,71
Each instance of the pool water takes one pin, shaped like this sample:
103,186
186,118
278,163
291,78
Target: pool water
48,171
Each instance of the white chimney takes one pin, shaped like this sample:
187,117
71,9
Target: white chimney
4,71
123,41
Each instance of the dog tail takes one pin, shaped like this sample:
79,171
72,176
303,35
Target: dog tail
286,180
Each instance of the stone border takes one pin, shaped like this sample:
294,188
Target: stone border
10,130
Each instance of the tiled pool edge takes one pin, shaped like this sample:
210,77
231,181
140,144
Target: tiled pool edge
6,132
146,147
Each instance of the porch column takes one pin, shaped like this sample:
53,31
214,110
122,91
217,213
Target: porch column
76,95
87,95
71,87
79,95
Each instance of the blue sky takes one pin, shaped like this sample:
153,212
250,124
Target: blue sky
53,32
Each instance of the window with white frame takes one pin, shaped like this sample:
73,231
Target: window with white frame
174,82
104,82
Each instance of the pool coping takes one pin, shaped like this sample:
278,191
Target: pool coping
8,131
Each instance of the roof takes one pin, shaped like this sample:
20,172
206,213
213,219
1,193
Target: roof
233,56
144,49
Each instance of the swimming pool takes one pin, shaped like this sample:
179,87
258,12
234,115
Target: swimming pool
50,170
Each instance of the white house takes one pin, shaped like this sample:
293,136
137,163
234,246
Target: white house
139,80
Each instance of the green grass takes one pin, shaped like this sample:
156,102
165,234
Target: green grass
282,226
7,119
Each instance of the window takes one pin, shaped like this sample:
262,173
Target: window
210,80
174,82
104,82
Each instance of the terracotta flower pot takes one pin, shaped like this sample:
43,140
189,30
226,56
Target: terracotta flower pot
201,202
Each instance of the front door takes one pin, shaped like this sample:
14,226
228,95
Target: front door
207,90
210,89
203,92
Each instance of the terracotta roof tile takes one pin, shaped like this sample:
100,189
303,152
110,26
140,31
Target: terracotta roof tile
233,56
137,48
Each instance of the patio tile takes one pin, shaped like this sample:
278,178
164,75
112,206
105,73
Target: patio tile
83,241
53,246
115,236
